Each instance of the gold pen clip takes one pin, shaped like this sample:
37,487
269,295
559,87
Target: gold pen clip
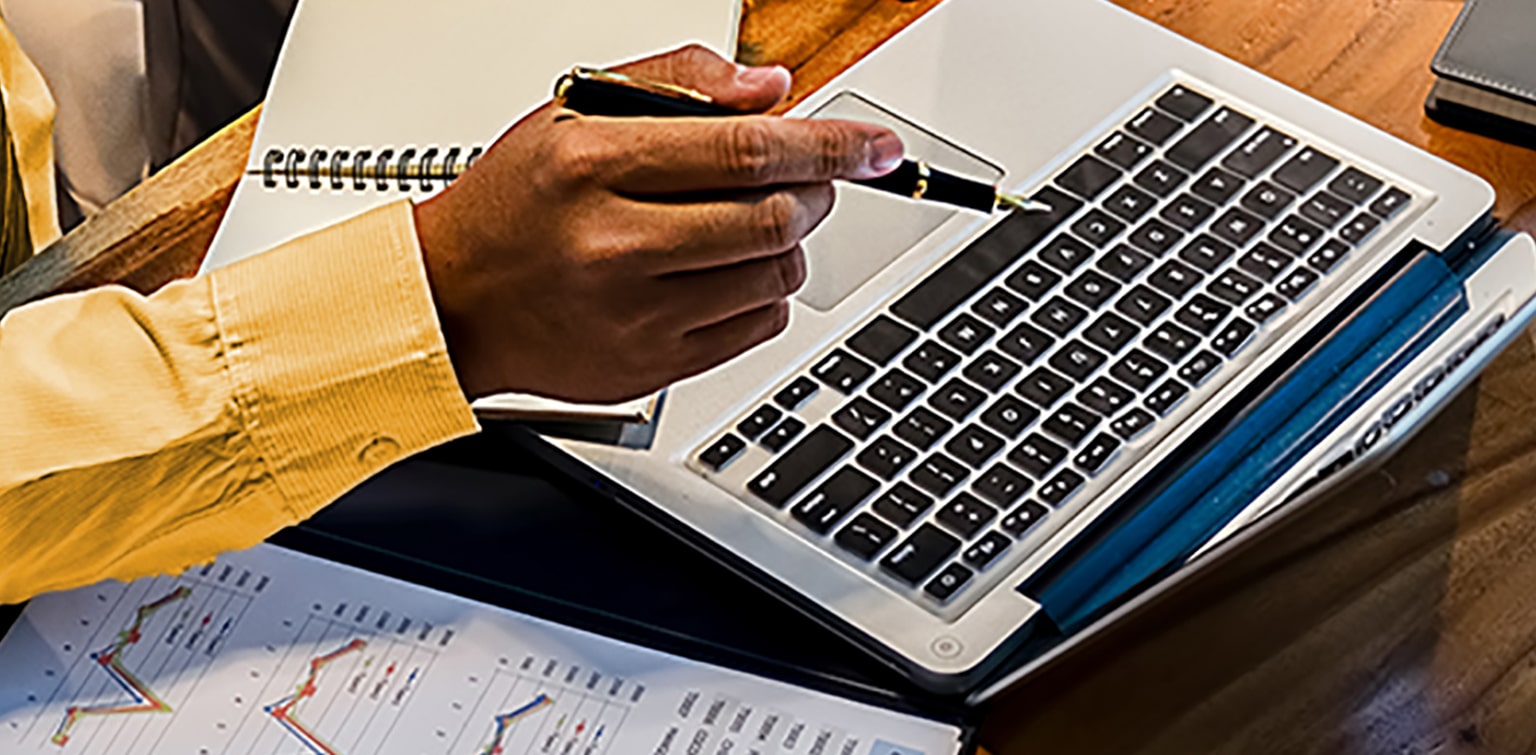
613,77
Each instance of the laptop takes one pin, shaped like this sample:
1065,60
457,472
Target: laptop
982,438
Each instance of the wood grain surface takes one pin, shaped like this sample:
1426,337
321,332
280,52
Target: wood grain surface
1397,618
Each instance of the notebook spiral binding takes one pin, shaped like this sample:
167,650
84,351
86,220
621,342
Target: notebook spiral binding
342,169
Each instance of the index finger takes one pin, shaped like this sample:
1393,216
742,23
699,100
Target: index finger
658,156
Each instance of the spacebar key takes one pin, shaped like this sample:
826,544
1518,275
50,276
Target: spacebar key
968,271
801,464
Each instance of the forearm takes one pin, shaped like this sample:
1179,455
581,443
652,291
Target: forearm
141,435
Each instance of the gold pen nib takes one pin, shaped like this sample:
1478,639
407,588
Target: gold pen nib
1021,204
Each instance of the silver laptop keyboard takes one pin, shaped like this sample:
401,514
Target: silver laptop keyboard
1041,359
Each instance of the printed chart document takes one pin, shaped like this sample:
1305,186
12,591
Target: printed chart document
271,651
403,82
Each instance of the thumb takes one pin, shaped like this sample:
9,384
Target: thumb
745,88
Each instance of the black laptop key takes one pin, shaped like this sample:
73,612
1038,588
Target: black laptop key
950,581
1258,152
1234,286
1130,203
1142,304
1023,519
1355,185
860,418
1097,453
1264,308
965,515
1217,186
1265,262
1037,455
1390,203
1202,314
1088,177
1268,200
1122,150
1098,228
991,371
1155,237
1071,423
832,500
1166,396
1060,487
1154,126
1123,263
938,474
865,536
1026,343
796,393
1110,332
896,389
779,437
999,307
1184,103
966,333
723,452
986,550
965,273
1237,226
1199,367
1131,424
1296,235
1077,360
886,457
1033,280
759,421
1044,387
1359,229
1092,289
1188,212
817,451
1105,396
922,428
843,371
1304,170
1138,369
1207,252
881,339
1328,255
1297,283
1160,178
1325,209
1066,254
1059,316
1009,416
974,446
1174,278
1001,485
1208,139
902,504
915,558
1232,337
1171,342
957,399
931,361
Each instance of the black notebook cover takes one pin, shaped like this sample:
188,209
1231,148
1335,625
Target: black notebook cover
1487,67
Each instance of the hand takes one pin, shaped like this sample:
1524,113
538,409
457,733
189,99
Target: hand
598,259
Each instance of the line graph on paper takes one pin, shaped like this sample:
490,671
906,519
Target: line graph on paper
546,707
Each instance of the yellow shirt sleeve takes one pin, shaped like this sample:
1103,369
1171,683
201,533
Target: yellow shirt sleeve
140,435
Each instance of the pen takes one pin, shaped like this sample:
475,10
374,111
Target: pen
591,91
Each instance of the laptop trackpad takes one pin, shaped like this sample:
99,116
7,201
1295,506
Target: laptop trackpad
867,229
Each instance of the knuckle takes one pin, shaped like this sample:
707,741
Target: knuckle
578,155
792,271
776,320
776,221
751,153
840,150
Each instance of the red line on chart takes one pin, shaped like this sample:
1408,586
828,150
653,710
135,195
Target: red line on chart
111,660
283,711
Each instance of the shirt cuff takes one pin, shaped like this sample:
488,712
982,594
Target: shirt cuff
336,356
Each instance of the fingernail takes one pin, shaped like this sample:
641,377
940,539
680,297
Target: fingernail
759,76
885,153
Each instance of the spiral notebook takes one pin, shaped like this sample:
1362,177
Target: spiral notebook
376,101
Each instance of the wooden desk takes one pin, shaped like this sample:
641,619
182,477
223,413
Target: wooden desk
1399,618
